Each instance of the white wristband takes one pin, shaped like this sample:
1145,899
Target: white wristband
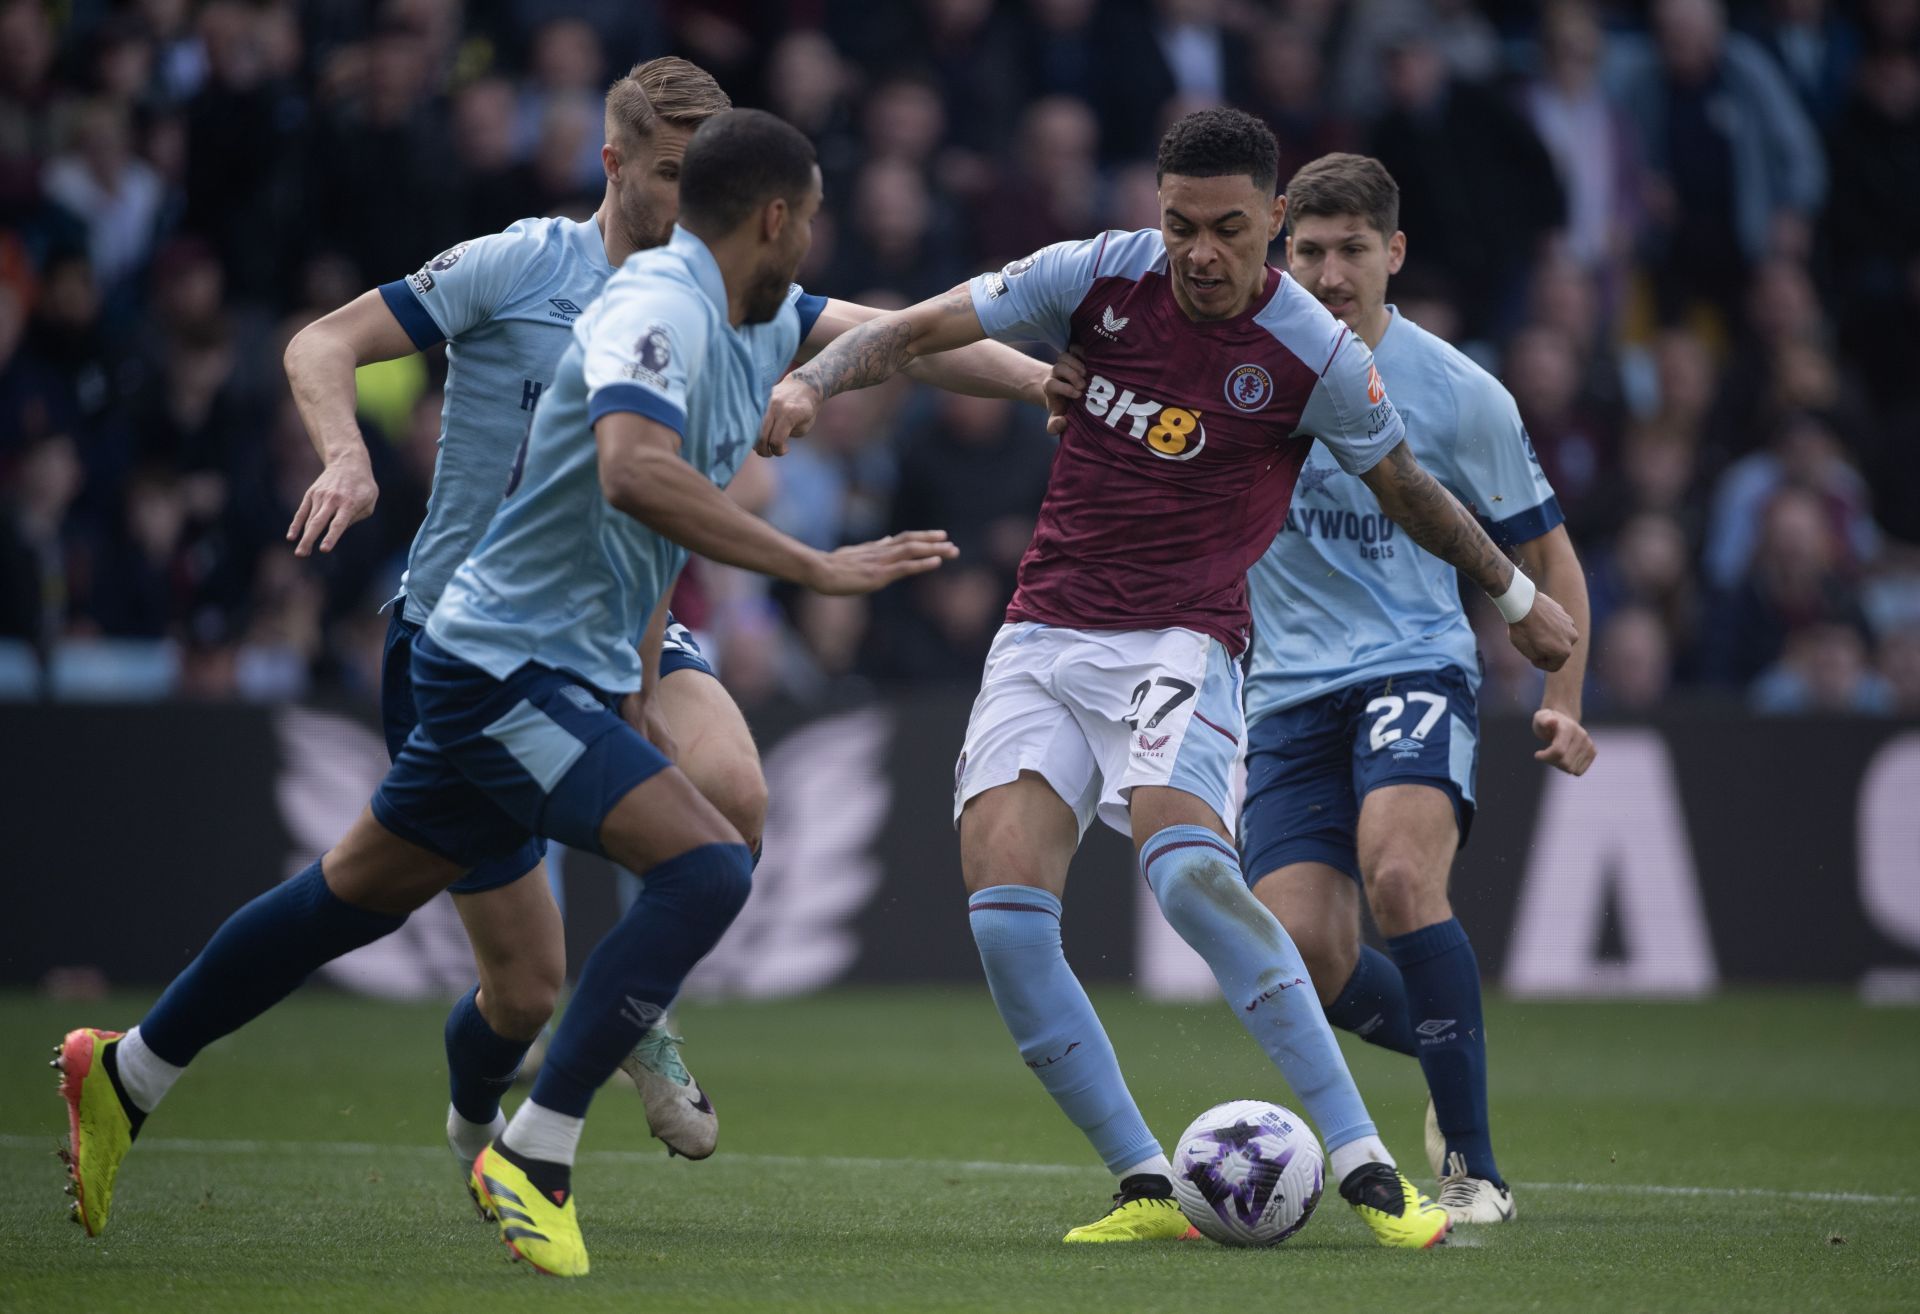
1517,601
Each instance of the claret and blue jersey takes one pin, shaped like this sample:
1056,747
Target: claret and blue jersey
1178,461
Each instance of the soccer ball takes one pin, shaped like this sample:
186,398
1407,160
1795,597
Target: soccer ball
1248,1173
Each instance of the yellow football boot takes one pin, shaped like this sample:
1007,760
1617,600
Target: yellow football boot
1396,1214
538,1227
99,1129
1144,1210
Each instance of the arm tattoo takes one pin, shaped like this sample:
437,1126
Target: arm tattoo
1435,520
871,353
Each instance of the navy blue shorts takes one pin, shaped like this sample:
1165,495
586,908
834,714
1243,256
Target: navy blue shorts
680,652
1309,767
495,765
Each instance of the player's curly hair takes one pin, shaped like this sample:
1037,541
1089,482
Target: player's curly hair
1338,185
1209,143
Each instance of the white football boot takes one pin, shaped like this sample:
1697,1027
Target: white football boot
1472,1199
678,1111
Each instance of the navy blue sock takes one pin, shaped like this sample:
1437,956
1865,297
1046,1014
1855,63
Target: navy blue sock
481,1063
1443,1000
685,905
256,959
1373,1004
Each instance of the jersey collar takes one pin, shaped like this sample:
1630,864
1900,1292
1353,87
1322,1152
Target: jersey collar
706,270
1393,317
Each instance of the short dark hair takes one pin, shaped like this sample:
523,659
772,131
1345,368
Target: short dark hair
1337,185
737,162
1209,143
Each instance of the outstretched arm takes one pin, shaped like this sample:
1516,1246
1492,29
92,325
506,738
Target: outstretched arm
642,474
869,354
320,362
1413,499
984,369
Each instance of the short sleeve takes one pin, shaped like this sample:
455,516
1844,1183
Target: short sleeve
807,306
637,355
1033,299
1496,472
1349,409
461,287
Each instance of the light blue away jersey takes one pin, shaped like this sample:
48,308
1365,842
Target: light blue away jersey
1343,595
505,304
560,577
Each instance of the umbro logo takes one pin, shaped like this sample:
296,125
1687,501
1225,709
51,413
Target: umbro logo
1434,1027
1111,324
564,306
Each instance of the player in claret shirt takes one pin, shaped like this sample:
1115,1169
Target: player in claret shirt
1114,688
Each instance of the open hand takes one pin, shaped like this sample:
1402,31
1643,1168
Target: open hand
864,567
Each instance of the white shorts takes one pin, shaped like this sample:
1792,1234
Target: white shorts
1096,712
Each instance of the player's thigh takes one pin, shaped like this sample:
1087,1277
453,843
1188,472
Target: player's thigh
660,818
1018,833
1161,710
1320,907
1300,804
1409,834
377,868
1025,783
714,746
1415,753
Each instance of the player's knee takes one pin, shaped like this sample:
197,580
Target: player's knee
1197,884
998,852
517,1004
715,879
739,791
1405,894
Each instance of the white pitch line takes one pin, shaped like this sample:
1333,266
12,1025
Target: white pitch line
181,1145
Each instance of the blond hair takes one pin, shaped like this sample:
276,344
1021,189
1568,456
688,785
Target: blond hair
682,93
630,113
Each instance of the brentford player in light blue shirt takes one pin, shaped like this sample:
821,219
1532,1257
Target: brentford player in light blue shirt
1362,729
506,305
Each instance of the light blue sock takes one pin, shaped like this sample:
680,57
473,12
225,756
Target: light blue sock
1196,877
1018,931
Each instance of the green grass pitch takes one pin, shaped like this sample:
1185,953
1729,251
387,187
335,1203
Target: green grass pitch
886,1151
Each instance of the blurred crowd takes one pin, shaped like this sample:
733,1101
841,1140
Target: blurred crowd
1686,237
